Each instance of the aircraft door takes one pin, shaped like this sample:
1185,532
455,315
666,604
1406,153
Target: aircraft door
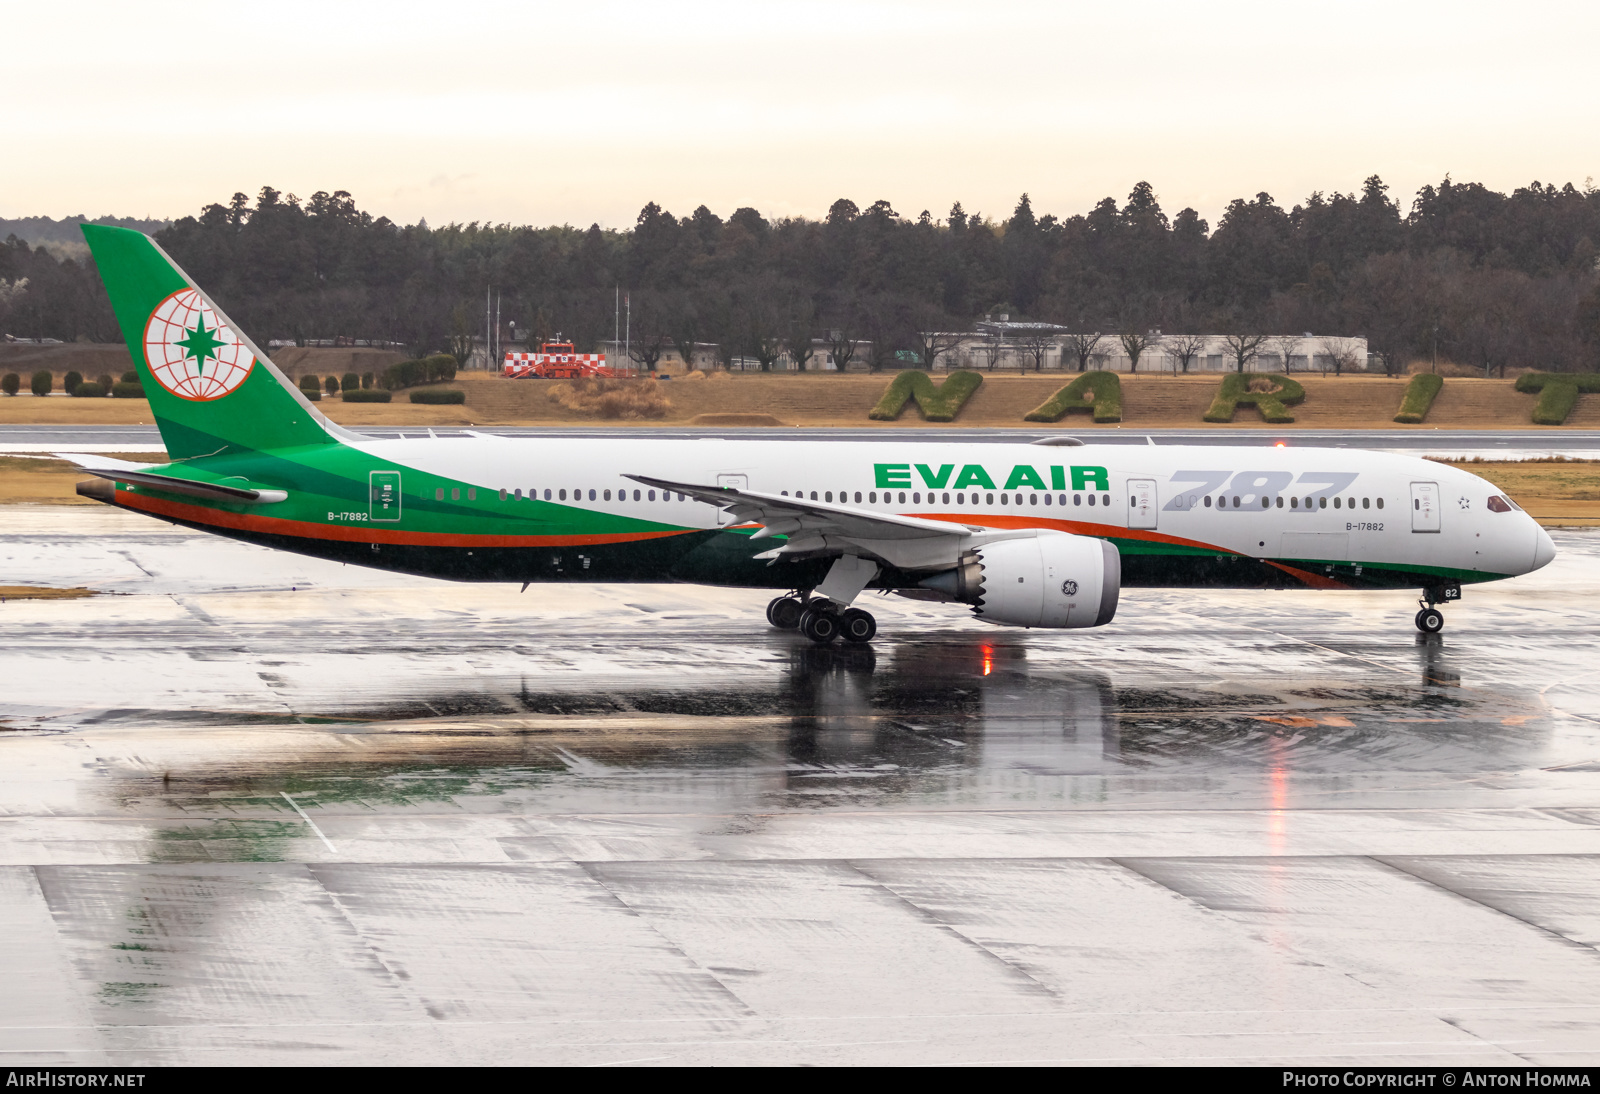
1425,507
383,499
1142,503
731,482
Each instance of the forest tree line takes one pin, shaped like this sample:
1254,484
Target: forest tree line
1485,279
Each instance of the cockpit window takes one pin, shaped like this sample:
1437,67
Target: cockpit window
1498,504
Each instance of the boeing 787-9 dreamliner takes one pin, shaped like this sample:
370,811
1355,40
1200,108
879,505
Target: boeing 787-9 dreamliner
1028,535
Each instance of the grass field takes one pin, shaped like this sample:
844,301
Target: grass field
829,399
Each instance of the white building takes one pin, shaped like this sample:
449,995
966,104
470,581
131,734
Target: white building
1046,346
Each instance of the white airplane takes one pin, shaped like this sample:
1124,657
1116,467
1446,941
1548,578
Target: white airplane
1029,535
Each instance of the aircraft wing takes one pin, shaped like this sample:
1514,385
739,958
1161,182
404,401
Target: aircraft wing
821,529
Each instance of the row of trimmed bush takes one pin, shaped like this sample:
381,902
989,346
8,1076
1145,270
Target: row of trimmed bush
440,367
43,382
938,404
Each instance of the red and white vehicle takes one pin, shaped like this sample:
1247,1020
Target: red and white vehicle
555,361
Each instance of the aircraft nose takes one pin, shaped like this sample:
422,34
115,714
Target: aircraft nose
1544,550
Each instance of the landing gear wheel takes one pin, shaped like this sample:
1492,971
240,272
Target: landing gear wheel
784,613
857,626
822,627
1430,621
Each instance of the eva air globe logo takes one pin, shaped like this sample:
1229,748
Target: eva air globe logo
192,353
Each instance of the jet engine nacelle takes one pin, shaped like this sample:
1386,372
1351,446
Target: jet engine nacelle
1052,579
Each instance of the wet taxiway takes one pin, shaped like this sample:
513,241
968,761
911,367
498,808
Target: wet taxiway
257,808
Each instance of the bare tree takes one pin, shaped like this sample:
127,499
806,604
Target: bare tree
989,352
928,340
1036,344
647,351
1285,345
1082,347
880,319
1184,348
842,347
462,338
797,339
1343,352
1244,348
1135,343
762,338
684,329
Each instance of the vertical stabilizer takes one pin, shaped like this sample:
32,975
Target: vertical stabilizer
211,390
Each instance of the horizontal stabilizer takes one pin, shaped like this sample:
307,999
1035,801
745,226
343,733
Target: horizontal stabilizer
210,490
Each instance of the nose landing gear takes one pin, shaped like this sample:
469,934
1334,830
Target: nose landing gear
1430,620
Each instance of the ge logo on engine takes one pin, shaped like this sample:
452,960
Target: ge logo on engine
1069,588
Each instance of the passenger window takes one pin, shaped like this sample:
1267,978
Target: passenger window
1280,501
1380,503
547,493
472,493
988,499
1091,498
1336,503
946,500
591,495
438,494
563,495
961,499
455,493
858,497
1208,501
1322,503
636,495
827,496
902,497
1366,503
873,497
608,495
651,495
916,499
519,493
502,494
813,495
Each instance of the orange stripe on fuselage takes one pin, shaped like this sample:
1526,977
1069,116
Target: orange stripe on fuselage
300,529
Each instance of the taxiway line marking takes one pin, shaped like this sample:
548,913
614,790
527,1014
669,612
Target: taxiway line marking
313,824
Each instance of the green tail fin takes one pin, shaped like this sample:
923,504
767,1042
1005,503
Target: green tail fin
211,390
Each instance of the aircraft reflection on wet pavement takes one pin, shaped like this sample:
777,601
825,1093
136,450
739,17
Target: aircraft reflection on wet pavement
941,716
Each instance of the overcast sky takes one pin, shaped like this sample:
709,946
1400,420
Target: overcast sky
579,112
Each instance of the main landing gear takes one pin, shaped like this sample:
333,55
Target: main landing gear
820,620
1430,620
